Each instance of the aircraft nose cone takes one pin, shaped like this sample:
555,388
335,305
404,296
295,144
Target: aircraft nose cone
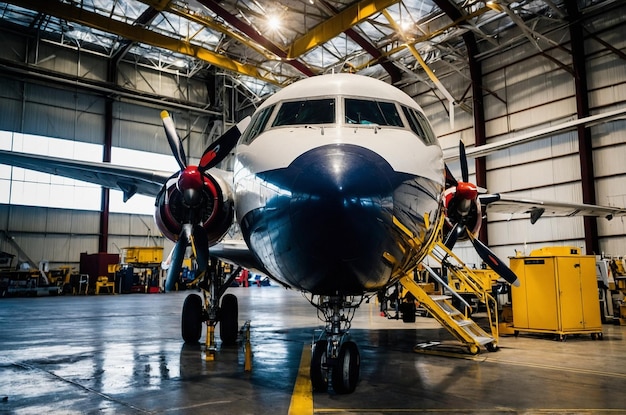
342,197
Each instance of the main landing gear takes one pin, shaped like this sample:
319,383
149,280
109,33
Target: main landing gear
335,359
207,309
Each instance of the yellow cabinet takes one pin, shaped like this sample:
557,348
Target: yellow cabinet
558,292
143,254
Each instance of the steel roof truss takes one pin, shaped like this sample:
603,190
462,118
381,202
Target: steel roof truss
138,34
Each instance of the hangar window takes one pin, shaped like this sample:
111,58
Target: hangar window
312,111
138,204
419,124
362,111
33,188
257,125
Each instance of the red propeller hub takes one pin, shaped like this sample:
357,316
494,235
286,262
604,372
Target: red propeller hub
190,182
467,191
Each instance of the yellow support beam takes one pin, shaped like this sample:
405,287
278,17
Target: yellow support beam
428,36
426,68
337,24
138,34
206,22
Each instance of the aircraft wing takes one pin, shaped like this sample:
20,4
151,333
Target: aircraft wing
235,251
503,203
130,180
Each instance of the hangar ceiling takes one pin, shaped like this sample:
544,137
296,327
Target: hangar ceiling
265,45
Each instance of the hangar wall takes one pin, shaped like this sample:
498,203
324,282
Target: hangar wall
525,90
43,105
60,235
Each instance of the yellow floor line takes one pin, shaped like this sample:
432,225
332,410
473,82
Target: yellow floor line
467,411
302,396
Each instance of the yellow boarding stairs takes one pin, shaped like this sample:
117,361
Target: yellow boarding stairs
440,307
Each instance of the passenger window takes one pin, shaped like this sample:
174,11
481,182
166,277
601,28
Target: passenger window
361,111
257,125
419,124
314,111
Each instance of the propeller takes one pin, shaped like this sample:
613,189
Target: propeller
190,183
463,160
214,154
461,203
452,236
450,180
172,138
200,247
462,211
495,263
219,149
177,256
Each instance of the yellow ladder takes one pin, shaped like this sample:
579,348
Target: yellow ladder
462,328
477,286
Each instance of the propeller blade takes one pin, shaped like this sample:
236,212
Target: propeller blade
493,261
178,254
220,148
201,248
463,160
450,180
172,138
452,236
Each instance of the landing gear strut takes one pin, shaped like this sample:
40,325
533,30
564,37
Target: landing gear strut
335,358
213,283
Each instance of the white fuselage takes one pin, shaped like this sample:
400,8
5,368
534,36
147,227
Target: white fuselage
338,184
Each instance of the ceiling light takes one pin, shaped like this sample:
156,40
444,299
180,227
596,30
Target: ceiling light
494,6
273,22
405,25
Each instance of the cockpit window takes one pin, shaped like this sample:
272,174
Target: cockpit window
313,111
362,111
419,124
257,124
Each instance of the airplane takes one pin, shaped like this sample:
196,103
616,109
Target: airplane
339,188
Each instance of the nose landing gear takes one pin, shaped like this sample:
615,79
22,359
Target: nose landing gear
335,359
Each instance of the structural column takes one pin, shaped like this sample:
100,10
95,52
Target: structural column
103,241
480,135
476,76
585,148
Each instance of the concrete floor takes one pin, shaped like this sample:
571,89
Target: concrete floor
123,354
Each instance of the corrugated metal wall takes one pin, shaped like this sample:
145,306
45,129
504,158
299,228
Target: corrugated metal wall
526,91
58,235
523,91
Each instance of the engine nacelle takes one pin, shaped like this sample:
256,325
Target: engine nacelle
462,208
215,210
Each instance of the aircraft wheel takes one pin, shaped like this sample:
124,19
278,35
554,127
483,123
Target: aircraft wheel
346,372
191,324
229,319
319,369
